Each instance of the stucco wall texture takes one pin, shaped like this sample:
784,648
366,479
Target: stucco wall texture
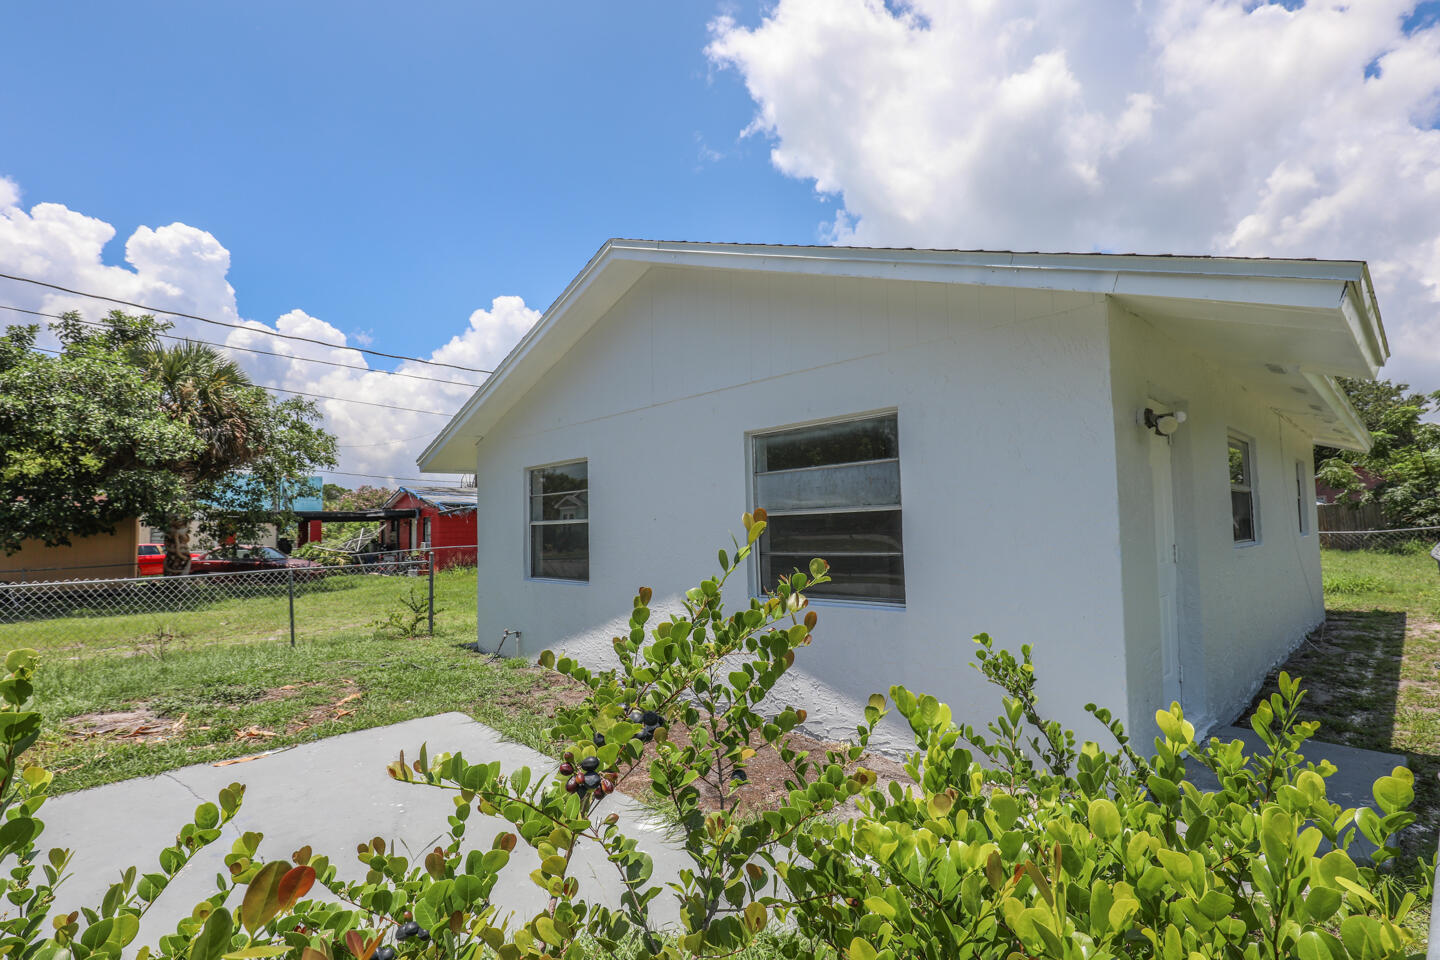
1011,444
1243,608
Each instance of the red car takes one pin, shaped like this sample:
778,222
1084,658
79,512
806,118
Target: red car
151,559
248,557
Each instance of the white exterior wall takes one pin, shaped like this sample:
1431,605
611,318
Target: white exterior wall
1243,608
1007,474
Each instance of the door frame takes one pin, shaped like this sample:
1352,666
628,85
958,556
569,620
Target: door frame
1161,462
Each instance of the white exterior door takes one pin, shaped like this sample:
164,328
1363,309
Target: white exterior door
1166,564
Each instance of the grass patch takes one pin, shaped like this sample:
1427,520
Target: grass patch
130,706
1404,579
261,614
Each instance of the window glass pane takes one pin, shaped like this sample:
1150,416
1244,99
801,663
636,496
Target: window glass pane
1242,514
854,485
853,578
565,477
560,506
1239,463
873,439
560,550
829,535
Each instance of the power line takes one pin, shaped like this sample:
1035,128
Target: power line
382,443
238,326
318,396
267,353
378,476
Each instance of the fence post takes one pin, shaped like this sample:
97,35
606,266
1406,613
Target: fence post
290,587
432,592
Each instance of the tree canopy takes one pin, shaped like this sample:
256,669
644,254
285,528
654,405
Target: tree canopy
1405,454
83,441
116,426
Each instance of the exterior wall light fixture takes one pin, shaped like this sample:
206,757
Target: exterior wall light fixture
1164,424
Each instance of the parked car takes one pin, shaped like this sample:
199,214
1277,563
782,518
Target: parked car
151,559
249,557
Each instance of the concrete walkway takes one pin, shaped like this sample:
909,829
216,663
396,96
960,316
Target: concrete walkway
1351,785
333,795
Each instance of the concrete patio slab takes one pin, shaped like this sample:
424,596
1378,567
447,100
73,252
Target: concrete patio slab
332,794
1350,786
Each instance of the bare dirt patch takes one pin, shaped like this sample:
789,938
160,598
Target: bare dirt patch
140,724
341,704
767,773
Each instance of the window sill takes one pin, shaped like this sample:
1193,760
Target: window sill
582,583
841,604
1246,544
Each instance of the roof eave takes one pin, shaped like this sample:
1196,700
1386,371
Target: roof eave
1096,273
1334,398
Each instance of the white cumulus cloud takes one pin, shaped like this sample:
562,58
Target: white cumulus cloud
179,267
1175,126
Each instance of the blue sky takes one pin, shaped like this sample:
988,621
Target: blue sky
390,168
427,177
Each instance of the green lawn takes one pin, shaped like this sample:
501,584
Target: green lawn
260,613
223,681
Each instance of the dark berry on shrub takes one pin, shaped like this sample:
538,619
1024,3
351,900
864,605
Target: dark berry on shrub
570,785
384,953
608,786
652,719
636,716
423,934
593,780
599,739
566,769
407,930
590,764
569,757
739,774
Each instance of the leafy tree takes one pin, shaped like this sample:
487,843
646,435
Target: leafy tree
252,454
364,497
330,494
82,444
1405,454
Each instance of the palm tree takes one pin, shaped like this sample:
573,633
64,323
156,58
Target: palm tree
210,394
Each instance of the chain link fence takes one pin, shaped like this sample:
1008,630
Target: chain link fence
1417,540
286,603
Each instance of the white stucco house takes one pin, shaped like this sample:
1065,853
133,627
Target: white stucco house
963,435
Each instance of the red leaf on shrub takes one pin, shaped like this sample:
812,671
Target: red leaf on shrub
295,884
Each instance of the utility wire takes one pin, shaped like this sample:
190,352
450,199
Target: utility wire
268,353
382,443
377,476
317,396
237,326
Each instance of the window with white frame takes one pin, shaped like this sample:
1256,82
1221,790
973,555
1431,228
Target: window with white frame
560,521
1242,491
1304,496
833,491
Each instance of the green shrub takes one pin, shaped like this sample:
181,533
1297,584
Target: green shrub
1014,841
321,555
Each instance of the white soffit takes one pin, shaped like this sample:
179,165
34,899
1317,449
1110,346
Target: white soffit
1313,319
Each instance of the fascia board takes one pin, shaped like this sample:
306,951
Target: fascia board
534,341
1303,284
1334,398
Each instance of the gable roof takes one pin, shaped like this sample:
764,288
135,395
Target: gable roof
1321,300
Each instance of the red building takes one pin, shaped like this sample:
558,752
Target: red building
445,522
